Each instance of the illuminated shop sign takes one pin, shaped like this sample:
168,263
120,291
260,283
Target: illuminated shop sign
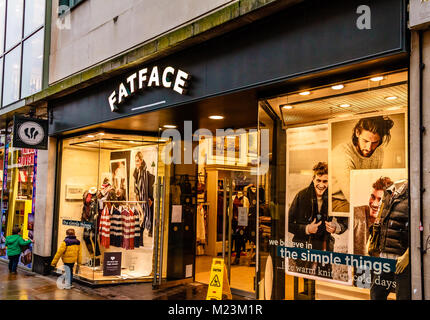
169,78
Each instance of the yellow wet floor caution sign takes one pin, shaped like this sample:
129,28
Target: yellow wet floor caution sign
218,281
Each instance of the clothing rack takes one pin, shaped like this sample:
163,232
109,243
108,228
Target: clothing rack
116,201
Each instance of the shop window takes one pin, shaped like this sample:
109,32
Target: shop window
108,196
18,190
347,170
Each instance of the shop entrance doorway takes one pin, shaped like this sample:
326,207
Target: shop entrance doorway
231,224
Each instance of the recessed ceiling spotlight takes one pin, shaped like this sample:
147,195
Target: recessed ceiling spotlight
101,133
338,87
305,93
344,115
169,126
391,98
394,108
216,117
345,105
377,79
287,107
90,136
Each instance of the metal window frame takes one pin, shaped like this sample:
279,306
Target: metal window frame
20,43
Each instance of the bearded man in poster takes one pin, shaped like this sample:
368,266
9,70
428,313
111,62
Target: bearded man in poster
364,151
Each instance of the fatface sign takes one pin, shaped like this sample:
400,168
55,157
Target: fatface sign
169,78
419,14
30,133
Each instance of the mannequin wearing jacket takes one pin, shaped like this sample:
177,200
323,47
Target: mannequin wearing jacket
90,214
394,244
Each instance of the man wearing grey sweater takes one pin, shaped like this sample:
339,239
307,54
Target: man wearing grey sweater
364,151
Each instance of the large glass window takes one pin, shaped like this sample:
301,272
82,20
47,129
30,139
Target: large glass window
34,15
107,195
12,76
23,23
2,23
346,187
32,64
14,22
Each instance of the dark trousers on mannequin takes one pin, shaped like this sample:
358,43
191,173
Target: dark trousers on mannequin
91,241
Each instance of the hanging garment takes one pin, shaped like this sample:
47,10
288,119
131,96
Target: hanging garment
144,188
137,233
175,190
127,218
115,227
138,209
201,231
104,228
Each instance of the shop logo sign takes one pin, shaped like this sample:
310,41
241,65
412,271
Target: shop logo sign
169,78
30,133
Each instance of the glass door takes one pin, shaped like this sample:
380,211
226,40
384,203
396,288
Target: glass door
227,209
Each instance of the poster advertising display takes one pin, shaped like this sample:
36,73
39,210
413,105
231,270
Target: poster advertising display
307,209
334,195
118,172
143,173
376,142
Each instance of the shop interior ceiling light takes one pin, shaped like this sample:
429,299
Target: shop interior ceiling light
169,126
391,98
90,136
338,87
345,105
216,117
394,108
305,93
377,79
287,107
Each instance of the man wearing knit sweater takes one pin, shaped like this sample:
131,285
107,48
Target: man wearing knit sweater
364,151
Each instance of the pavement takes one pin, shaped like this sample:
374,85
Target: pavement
31,286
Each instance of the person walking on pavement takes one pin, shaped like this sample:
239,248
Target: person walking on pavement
13,245
70,252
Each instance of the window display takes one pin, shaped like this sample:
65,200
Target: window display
107,194
347,180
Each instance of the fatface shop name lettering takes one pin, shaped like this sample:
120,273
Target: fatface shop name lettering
169,78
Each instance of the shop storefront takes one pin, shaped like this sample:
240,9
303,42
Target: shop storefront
201,155
19,171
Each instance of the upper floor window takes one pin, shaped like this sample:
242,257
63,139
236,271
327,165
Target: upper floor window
22,30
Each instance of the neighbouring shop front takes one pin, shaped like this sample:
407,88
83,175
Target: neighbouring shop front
18,176
232,148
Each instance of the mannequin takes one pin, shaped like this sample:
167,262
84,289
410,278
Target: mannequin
394,243
90,214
